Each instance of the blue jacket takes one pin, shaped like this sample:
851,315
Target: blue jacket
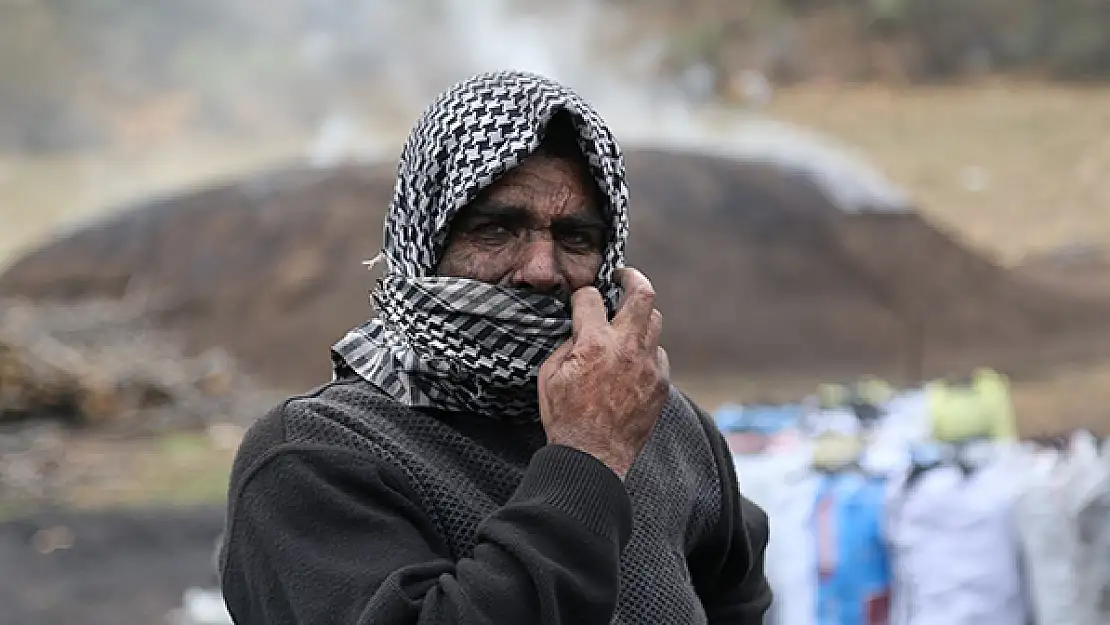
853,586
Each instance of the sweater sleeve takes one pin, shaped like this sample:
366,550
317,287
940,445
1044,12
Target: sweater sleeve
728,565
321,536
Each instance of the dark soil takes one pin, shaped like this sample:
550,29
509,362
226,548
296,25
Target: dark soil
126,567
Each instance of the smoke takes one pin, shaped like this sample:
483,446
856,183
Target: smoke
352,75
587,44
607,57
580,42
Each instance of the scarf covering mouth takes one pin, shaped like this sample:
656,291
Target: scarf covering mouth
457,344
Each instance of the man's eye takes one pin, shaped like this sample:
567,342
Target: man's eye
579,240
492,231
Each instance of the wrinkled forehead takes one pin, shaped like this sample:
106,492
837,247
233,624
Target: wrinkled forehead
469,137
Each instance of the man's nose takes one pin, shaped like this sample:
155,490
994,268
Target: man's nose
537,267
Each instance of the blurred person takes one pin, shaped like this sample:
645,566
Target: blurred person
501,444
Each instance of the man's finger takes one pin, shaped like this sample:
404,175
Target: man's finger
664,362
558,355
623,291
587,309
638,300
552,364
654,331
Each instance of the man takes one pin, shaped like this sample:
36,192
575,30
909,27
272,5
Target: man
501,444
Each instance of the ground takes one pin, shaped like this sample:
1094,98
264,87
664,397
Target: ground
126,527
105,568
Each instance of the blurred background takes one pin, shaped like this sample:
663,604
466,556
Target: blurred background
904,189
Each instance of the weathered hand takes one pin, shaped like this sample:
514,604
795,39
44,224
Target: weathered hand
602,391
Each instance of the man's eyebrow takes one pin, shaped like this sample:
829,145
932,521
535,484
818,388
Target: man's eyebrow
490,209
487,209
589,219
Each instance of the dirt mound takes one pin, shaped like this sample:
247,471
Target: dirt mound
98,363
758,271
1078,268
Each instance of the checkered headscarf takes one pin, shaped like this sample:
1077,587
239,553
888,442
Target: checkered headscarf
460,344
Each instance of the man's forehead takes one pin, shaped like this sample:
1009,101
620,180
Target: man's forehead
583,213
542,179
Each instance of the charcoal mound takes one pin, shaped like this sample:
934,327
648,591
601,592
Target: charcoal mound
757,268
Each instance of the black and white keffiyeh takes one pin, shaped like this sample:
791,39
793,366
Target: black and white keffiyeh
460,344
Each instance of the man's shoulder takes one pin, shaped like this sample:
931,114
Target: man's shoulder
342,416
339,400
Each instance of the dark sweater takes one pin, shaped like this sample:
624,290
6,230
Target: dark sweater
347,507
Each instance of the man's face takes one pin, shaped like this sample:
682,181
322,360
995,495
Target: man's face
538,228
